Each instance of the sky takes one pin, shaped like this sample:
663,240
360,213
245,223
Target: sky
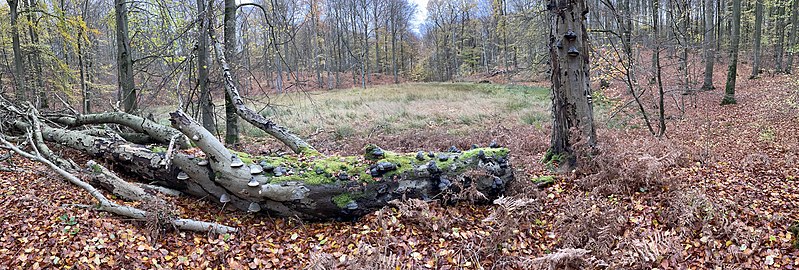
421,14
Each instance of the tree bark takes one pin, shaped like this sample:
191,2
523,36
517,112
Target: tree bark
127,86
658,68
757,39
231,119
710,45
571,93
206,105
19,70
792,36
732,72
35,59
779,45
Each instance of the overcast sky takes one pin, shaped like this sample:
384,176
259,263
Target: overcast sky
421,14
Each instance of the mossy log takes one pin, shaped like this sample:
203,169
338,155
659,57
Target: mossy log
305,185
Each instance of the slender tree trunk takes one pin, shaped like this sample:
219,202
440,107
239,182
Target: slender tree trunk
206,105
792,36
86,104
35,58
779,45
394,42
365,76
732,73
710,44
656,63
19,67
571,92
757,39
378,65
685,20
127,86
231,119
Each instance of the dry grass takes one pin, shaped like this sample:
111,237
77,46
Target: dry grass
397,108
457,109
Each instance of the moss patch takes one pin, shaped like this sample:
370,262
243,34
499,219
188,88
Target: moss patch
318,170
342,200
544,180
245,157
96,168
552,161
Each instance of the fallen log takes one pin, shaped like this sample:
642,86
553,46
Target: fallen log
312,187
319,187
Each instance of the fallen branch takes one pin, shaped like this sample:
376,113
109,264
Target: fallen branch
109,206
159,133
281,133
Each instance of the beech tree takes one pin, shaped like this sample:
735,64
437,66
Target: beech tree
572,107
757,40
127,87
732,72
231,119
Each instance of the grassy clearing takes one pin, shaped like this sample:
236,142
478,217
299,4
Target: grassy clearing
392,109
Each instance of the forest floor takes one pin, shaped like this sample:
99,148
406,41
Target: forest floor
719,191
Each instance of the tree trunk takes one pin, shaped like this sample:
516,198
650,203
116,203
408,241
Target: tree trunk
732,72
84,87
19,69
571,93
206,104
792,36
35,59
658,68
127,86
757,39
231,119
779,45
710,45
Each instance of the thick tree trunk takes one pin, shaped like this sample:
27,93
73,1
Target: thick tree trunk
127,86
732,72
571,93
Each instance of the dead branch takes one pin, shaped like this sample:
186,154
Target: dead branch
109,206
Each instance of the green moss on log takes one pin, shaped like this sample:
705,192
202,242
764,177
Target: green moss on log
342,200
320,170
